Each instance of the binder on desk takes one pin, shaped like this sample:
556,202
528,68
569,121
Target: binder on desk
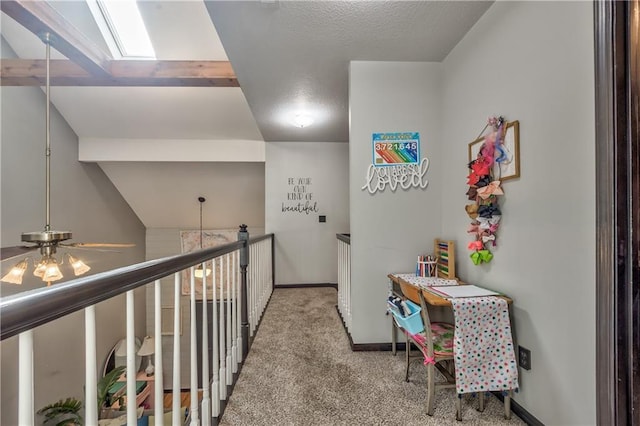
467,290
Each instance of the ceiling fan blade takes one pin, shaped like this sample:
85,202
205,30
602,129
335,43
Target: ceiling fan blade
95,245
9,252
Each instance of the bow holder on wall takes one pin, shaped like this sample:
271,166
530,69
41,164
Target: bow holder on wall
493,158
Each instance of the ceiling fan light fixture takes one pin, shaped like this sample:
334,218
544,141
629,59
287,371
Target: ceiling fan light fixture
79,267
14,276
52,271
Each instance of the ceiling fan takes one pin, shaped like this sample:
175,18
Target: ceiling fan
48,240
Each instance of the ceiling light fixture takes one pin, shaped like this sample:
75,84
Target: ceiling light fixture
48,268
199,273
302,120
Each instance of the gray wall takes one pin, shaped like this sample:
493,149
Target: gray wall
390,229
533,61
306,250
83,201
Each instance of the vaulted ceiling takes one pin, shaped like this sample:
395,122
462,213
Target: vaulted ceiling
225,70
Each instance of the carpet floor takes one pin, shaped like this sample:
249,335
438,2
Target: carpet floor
301,371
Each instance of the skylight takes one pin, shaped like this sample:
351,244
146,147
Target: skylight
122,25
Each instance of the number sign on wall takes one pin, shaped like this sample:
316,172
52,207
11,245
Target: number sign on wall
396,162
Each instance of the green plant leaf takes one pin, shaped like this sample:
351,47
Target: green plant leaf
64,411
105,383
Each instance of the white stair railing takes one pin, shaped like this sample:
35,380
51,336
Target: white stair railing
240,294
344,279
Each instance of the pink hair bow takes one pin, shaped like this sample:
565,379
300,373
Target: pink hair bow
429,360
473,228
475,245
492,189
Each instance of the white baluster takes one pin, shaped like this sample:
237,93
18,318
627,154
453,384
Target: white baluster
91,370
131,360
228,322
158,397
25,383
239,310
195,420
221,346
206,407
234,311
176,397
215,385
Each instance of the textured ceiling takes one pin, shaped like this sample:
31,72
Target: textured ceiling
293,56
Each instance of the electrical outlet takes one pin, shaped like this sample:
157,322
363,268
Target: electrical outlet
524,358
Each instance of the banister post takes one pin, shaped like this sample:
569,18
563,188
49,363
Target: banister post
243,235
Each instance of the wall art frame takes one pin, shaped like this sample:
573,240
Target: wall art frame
511,142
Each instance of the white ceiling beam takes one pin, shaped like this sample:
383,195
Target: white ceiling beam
173,150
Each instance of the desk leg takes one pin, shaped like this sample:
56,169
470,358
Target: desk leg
394,335
507,405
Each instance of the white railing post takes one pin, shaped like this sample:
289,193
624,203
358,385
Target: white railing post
176,397
221,347
91,370
195,420
228,322
215,385
206,410
25,383
158,392
234,314
131,360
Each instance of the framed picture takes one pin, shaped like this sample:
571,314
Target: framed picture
167,320
509,167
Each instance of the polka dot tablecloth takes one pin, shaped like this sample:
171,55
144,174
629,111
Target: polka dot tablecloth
483,347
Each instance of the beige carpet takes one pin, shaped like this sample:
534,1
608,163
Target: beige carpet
301,371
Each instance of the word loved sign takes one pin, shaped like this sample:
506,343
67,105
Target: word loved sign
404,175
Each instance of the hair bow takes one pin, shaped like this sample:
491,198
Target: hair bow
472,193
473,178
492,189
483,181
472,210
475,245
473,228
480,256
488,210
488,222
480,166
487,238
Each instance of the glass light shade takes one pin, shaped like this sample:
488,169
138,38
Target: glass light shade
52,271
14,276
79,267
199,273
40,268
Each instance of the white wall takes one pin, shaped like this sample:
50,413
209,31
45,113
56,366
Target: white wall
83,201
306,250
533,62
390,229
